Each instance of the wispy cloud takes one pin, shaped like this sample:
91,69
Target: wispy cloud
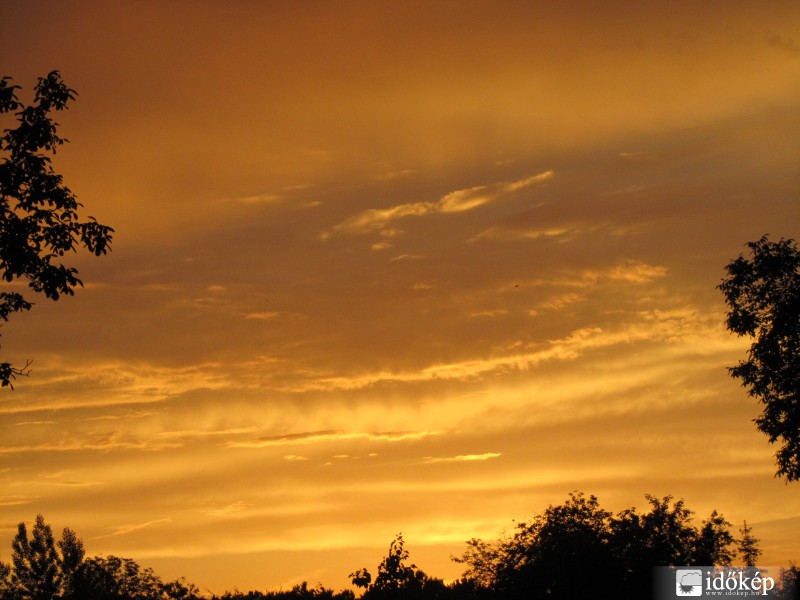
228,509
497,312
309,437
80,483
554,228
506,233
107,443
464,458
131,414
645,326
376,219
624,271
262,316
17,500
205,433
560,301
392,175
406,257
115,440
125,529
636,272
132,384
255,199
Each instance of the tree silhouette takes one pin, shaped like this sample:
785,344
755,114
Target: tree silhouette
396,578
579,550
788,585
40,572
6,586
572,550
115,578
39,221
713,542
72,554
748,546
663,536
762,292
37,566
394,573
300,591
563,553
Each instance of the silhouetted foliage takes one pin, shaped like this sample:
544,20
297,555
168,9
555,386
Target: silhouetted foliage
115,578
40,572
37,567
180,589
6,586
713,542
298,592
788,584
396,578
748,548
572,550
39,221
762,292
72,553
578,550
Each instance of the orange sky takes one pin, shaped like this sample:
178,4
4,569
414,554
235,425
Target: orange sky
381,267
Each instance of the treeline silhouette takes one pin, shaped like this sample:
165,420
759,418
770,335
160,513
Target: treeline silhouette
572,551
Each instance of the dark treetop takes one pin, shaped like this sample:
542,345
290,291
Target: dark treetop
39,221
762,292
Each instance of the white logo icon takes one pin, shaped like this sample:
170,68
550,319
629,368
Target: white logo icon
688,582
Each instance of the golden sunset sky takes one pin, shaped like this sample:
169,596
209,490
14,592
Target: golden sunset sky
397,266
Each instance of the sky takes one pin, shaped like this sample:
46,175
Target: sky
387,267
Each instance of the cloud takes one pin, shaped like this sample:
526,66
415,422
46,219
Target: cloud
646,326
309,437
80,483
636,272
560,301
376,219
189,434
17,500
496,312
497,232
262,316
228,509
465,458
624,271
133,414
639,157
102,443
255,199
113,383
125,529
406,257
463,200
392,175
